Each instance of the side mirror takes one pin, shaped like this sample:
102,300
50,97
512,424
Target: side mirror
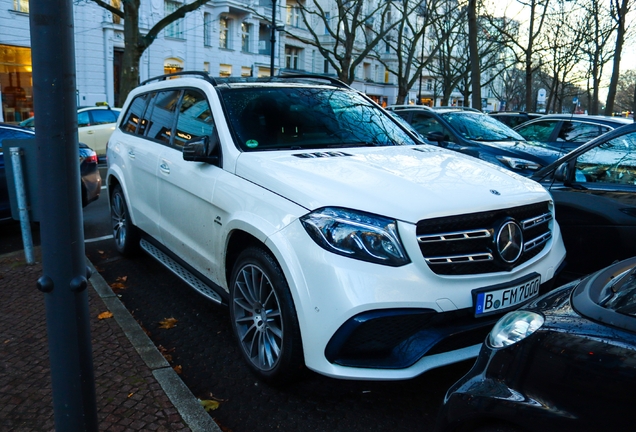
436,136
202,149
562,173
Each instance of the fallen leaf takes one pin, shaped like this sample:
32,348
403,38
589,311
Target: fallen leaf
168,357
117,285
209,405
167,323
122,279
178,369
130,394
105,315
100,252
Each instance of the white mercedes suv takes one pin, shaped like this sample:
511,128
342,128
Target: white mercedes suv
337,239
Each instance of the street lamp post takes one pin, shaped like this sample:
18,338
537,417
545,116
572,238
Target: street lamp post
273,39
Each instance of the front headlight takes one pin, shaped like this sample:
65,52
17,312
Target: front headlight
356,235
514,327
518,164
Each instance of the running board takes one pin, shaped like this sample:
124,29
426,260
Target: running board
180,271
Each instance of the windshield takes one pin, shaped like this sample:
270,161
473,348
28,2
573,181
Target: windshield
290,118
480,127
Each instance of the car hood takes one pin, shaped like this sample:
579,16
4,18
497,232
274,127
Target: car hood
406,182
539,150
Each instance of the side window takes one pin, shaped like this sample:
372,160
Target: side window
83,119
580,132
539,131
103,116
425,124
612,162
195,118
162,109
134,114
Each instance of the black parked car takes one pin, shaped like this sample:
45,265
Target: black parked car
564,362
594,190
477,134
514,118
91,181
565,132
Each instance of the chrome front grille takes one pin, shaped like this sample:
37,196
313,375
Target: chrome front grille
466,244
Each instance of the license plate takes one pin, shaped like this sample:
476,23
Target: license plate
504,297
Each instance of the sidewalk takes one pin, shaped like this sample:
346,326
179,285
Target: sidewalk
136,387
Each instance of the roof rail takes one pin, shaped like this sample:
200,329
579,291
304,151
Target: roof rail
407,106
335,81
206,76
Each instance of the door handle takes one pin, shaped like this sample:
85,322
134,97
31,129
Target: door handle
164,168
131,154
90,132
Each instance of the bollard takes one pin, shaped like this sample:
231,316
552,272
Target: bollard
20,191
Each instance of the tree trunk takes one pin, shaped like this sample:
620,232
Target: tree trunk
132,52
475,77
620,39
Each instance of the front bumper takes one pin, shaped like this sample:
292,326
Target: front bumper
360,320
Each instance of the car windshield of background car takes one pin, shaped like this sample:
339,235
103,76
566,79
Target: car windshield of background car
538,131
580,132
104,116
611,162
480,127
290,118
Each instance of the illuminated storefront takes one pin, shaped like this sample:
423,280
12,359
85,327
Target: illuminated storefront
16,83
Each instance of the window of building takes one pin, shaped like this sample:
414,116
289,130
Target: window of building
292,55
206,67
245,37
328,23
174,29
263,72
294,17
246,71
325,66
224,33
117,5
207,29
225,70
21,6
429,84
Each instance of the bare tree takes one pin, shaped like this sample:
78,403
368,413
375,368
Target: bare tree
136,42
354,29
525,47
475,77
597,29
562,52
409,53
619,11
625,91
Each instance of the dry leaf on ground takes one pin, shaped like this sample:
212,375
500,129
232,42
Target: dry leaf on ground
168,323
105,315
209,405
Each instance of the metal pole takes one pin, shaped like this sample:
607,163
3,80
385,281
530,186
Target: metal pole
64,279
23,207
273,39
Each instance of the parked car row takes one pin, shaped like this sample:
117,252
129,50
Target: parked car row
90,180
95,125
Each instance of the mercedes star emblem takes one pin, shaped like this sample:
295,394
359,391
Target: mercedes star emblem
510,242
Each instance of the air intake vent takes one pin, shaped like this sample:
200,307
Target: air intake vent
321,155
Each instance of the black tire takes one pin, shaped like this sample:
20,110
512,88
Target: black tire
125,233
264,318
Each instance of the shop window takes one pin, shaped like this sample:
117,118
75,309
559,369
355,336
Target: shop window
172,65
16,83
207,29
225,70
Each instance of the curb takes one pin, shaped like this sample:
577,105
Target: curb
188,406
